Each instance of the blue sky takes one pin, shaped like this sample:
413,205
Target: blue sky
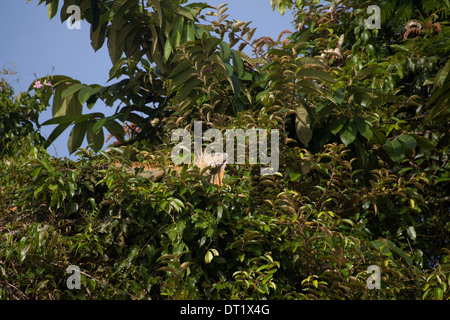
34,46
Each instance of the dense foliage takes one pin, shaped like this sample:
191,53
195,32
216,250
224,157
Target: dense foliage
363,177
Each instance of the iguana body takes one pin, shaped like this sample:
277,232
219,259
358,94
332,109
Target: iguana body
215,163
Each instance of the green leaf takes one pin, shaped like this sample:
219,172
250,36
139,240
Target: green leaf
349,133
72,89
293,175
363,128
395,150
173,7
176,32
424,142
225,51
190,33
407,141
63,119
57,100
98,36
68,105
115,71
438,293
186,89
76,136
399,252
336,125
339,95
236,86
87,92
364,73
116,130
180,78
56,133
303,125
380,245
315,74
237,63
211,44
115,49
167,50
52,9
94,139
73,118
441,75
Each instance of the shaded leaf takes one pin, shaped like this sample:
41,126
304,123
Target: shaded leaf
315,74
395,150
349,132
76,136
363,128
303,125
407,141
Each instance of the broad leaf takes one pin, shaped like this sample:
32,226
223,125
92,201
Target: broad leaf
395,150
76,136
407,141
94,139
72,89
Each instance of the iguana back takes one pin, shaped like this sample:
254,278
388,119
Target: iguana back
215,163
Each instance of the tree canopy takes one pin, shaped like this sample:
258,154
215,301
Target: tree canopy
363,117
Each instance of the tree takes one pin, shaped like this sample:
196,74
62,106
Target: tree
363,178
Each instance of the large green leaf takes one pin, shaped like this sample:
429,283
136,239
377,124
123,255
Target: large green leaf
115,47
94,139
65,106
98,36
87,92
72,89
116,130
225,51
237,63
70,118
